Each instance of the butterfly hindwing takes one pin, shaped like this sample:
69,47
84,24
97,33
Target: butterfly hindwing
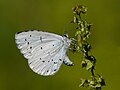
47,62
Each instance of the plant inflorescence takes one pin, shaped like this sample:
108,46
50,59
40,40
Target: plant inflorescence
80,44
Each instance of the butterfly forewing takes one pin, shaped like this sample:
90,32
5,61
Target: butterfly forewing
27,41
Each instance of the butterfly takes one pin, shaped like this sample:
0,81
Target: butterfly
44,51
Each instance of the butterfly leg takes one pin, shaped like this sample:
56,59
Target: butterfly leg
67,62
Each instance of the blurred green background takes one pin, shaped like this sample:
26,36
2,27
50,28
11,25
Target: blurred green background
53,16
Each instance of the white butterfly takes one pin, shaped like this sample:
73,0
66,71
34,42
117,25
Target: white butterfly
45,51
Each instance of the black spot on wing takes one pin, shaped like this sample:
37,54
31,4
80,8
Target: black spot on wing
55,69
55,62
28,43
43,61
60,59
41,47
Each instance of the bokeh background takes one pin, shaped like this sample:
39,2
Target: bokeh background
54,16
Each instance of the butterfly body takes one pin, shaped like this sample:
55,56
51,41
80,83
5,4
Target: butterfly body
45,51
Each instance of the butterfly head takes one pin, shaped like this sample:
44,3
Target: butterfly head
66,40
65,35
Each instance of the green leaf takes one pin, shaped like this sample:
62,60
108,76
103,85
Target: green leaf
84,83
89,64
83,63
77,33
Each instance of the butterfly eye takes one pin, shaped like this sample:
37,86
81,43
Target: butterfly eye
65,35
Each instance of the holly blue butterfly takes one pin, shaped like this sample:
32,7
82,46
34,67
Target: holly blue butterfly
45,51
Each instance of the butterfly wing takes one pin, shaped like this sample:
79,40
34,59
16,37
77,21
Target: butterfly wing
47,63
45,51
28,41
